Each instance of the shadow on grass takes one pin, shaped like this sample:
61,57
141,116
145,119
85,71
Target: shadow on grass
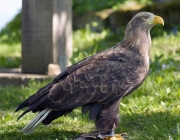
44,135
151,126
147,126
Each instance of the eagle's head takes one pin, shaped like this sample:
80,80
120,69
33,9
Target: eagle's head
144,21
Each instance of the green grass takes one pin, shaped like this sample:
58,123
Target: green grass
150,113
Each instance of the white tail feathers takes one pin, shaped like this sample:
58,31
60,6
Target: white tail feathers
35,121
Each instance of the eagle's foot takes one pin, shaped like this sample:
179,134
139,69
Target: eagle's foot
110,135
116,137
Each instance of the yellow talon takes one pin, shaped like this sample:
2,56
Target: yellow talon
116,137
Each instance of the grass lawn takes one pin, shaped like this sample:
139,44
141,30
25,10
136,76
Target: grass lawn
150,113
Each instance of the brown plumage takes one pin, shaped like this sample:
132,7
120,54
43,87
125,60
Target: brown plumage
98,82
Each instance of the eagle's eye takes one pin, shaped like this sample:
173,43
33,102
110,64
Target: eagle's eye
144,18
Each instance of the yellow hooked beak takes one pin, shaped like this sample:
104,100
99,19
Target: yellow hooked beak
157,20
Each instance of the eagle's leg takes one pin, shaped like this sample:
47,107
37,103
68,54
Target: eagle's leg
107,120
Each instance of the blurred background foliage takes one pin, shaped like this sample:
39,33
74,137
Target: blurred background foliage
98,25
82,6
11,33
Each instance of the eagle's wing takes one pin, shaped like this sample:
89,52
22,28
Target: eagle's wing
95,81
100,78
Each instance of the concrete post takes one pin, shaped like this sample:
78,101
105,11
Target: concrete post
46,34
62,32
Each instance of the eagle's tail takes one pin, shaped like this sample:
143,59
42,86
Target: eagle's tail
35,121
